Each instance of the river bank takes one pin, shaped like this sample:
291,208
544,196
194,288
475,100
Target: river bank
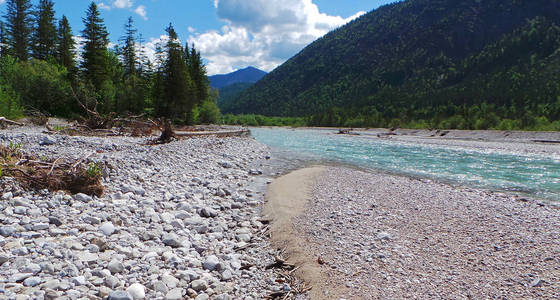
379,236
180,220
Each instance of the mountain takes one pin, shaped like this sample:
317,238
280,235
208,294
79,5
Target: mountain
232,91
427,63
248,74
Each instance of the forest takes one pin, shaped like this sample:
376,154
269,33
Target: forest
424,64
44,70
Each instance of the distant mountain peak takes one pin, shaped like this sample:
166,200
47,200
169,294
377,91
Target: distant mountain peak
247,75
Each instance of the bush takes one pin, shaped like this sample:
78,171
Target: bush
209,113
9,103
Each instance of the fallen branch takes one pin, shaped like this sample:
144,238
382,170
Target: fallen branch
4,121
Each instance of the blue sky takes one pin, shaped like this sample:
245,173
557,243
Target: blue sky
230,34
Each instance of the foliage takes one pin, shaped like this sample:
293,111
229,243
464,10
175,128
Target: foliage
18,25
9,103
65,52
95,65
45,34
94,170
260,120
422,63
208,113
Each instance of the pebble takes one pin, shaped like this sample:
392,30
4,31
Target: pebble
120,295
174,294
107,228
199,285
211,262
137,291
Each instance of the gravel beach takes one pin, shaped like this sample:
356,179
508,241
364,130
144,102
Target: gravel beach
177,221
379,236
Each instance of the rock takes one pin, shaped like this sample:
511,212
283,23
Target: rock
3,259
47,141
40,226
32,281
115,267
83,198
211,262
226,165
174,294
120,295
31,268
137,291
208,212
79,280
87,257
384,236
172,240
55,221
199,285
7,196
111,281
20,251
202,296
107,228
169,280
7,231
537,282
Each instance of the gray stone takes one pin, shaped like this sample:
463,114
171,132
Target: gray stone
211,262
383,236
226,165
537,282
32,281
4,259
169,280
115,267
107,228
202,296
47,140
137,291
174,294
83,198
19,277
79,280
31,268
7,231
199,285
111,281
87,257
172,240
7,196
40,226
120,295
55,221
20,251
208,212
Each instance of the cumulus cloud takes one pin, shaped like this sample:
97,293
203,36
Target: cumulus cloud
262,33
141,11
2,2
122,3
104,6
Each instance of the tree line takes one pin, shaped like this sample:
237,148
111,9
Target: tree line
43,68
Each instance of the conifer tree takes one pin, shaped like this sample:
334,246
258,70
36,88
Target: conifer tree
178,85
18,25
128,50
197,71
95,65
3,40
65,54
44,38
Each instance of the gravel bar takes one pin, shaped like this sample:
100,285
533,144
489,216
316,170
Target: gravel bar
177,221
380,236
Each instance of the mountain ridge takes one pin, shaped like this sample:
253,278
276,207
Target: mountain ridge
249,74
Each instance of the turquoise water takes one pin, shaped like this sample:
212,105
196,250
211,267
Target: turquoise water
536,175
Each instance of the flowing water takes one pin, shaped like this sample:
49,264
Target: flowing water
536,175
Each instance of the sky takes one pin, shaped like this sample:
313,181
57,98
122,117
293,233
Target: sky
230,34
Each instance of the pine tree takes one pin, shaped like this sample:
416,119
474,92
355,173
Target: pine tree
128,50
178,85
18,23
65,53
95,65
3,40
44,39
197,71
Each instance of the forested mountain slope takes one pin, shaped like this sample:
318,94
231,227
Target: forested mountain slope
249,74
442,63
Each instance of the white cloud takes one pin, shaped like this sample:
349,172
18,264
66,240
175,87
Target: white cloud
2,2
104,6
262,33
122,3
191,29
141,11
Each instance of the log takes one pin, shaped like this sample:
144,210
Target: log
7,121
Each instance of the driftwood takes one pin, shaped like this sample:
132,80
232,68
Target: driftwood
4,122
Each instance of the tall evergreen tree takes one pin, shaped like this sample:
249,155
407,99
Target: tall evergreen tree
197,71
95,65
18,23
3,40
44,38
65,54
128,50
178,97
